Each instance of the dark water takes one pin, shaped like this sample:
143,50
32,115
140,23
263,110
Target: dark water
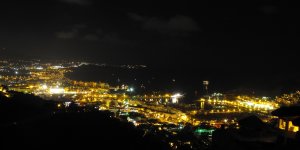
187,80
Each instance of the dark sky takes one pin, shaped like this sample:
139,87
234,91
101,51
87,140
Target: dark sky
255,37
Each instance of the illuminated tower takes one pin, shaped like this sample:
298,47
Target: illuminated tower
205,85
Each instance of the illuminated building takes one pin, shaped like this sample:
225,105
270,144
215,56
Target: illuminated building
175,98
205,84
286,120
3,89
202,104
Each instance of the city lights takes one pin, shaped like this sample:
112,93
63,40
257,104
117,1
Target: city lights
187,75
57,90
50,82
44,87
175,98
130,89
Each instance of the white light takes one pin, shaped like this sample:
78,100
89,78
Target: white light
57,67
175,97
16,72
174,100
130,90
67,104
250,103
44,86
39,68
57,91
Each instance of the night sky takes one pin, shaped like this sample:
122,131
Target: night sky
254,38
